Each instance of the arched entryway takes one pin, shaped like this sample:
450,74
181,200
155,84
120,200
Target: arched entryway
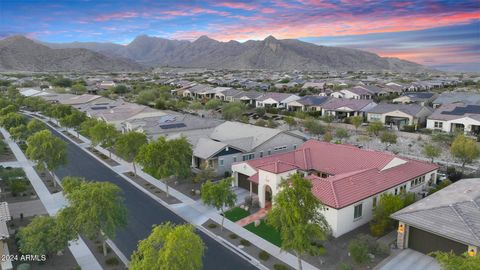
268,196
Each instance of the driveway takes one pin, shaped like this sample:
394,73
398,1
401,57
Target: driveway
409,259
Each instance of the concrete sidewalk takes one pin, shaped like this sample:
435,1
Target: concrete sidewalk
52,203
192,211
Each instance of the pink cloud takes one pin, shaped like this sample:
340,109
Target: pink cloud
237,5
117,16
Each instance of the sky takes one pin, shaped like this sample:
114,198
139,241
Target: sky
440,34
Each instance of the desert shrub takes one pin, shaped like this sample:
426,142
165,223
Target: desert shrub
17,186
245,242
279,266
408,128
112,261
453,174
248,200
358,250
263,255
212,225
233,236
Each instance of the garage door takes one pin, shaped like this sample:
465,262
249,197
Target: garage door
426,242
243,182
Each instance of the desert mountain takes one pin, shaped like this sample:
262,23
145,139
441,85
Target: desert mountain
18,53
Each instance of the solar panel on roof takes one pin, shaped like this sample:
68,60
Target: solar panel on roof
170,126
475,109
99,108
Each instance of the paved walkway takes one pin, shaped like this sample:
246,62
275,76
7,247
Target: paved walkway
253,217
195,212
52,203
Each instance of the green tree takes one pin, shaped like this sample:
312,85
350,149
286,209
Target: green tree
296,215
388,138
387,205
166,160
219,195
96,209
233,110
87,125
342,133
44,235
128,145
431,151
48,151
313,126
290,121
62,82
375,127
213,104
204,174
260,111
451,261
328,119
73,120
169,247
8,109
19,133
59,111
35,126
12,120
79,89
440,186
356,121
196,106
120,89
103,134
327,137
464,149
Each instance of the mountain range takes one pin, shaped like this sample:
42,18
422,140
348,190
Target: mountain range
20,53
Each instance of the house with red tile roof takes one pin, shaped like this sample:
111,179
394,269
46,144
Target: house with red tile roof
346,179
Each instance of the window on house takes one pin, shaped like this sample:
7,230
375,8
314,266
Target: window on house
280,148
294,146
357,211
438,124
261,153
234,159
396,191
269,152
220,161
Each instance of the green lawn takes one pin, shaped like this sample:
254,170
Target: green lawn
236,213
266,232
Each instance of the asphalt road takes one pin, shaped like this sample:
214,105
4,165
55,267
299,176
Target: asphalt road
144,212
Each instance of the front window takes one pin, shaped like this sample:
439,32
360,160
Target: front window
438,124
357,212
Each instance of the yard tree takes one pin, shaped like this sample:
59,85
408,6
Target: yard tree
79,89
213,104
342,133
128,145
464,149
35,126
233,110
97,209
328,119
313,126
8,109
296,215
387,205
19,133
44,235
196,106
356,121
388,138
169,247
204,174
35,103
290,121
73,120
87,125
375,127
219,195
103,134
451,261
166,159
47,150
431,151
60,110
12,119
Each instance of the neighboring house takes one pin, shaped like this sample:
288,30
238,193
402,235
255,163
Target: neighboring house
421,98
399,114
173,125
342,108
231,142
248,97
313,85
275,100
106,84
357,92
125,111
454,117
84,99
227,94
467,98
448,220
198,91
347,180
307,104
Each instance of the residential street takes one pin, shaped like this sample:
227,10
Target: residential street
144,212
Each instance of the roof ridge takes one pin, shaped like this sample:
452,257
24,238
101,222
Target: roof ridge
465,220
337,205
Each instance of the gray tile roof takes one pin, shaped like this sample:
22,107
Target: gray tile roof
453,212
411,109
205,148
354,104
452,97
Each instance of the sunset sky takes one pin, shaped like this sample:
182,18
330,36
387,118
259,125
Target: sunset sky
442,34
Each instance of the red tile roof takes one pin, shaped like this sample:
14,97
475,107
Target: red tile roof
356,173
